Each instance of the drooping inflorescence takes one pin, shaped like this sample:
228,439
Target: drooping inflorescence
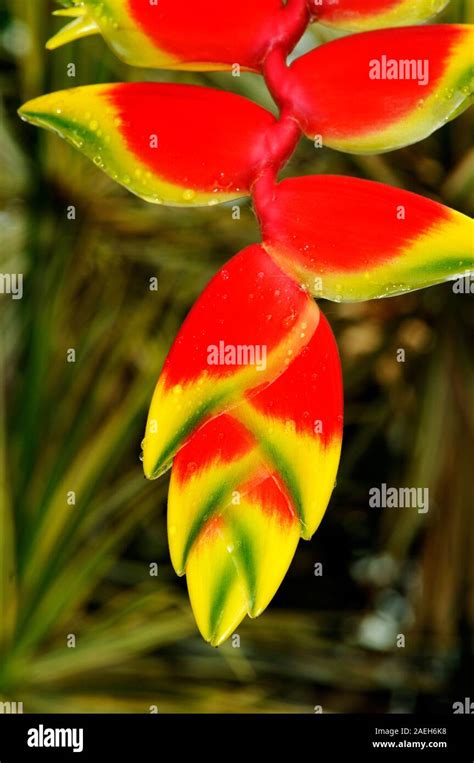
248,407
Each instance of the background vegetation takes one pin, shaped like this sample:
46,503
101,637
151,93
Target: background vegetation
84,569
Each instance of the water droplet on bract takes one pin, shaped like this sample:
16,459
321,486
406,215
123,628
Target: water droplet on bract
98,161
93,125
76,140
126,179
189,194
141,456
225,275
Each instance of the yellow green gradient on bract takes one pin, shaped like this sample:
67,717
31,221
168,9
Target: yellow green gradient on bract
176,410
452,95
84,118
442,254
307,464
204,489
401,86
246,484
250,303
387,241
231,526
354,16
180,145
240,559
112,19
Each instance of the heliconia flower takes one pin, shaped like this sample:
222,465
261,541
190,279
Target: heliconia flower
231,526
362,15
172,144
243,332
386,240
246,485
297,421
197,35
401,85
248,408
240,559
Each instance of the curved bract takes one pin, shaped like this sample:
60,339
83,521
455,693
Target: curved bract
248,407
188,34
169,144
247,484
401,85
386,242
244,330
362,15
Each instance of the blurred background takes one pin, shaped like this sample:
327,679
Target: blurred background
83,569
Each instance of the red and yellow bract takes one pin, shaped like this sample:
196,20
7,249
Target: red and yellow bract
254,446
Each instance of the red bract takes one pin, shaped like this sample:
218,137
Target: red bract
359,15
250,305
248,407
401,85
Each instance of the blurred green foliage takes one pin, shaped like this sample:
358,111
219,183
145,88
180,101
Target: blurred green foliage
83,569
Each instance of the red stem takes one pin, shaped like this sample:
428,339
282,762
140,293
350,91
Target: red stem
282,140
